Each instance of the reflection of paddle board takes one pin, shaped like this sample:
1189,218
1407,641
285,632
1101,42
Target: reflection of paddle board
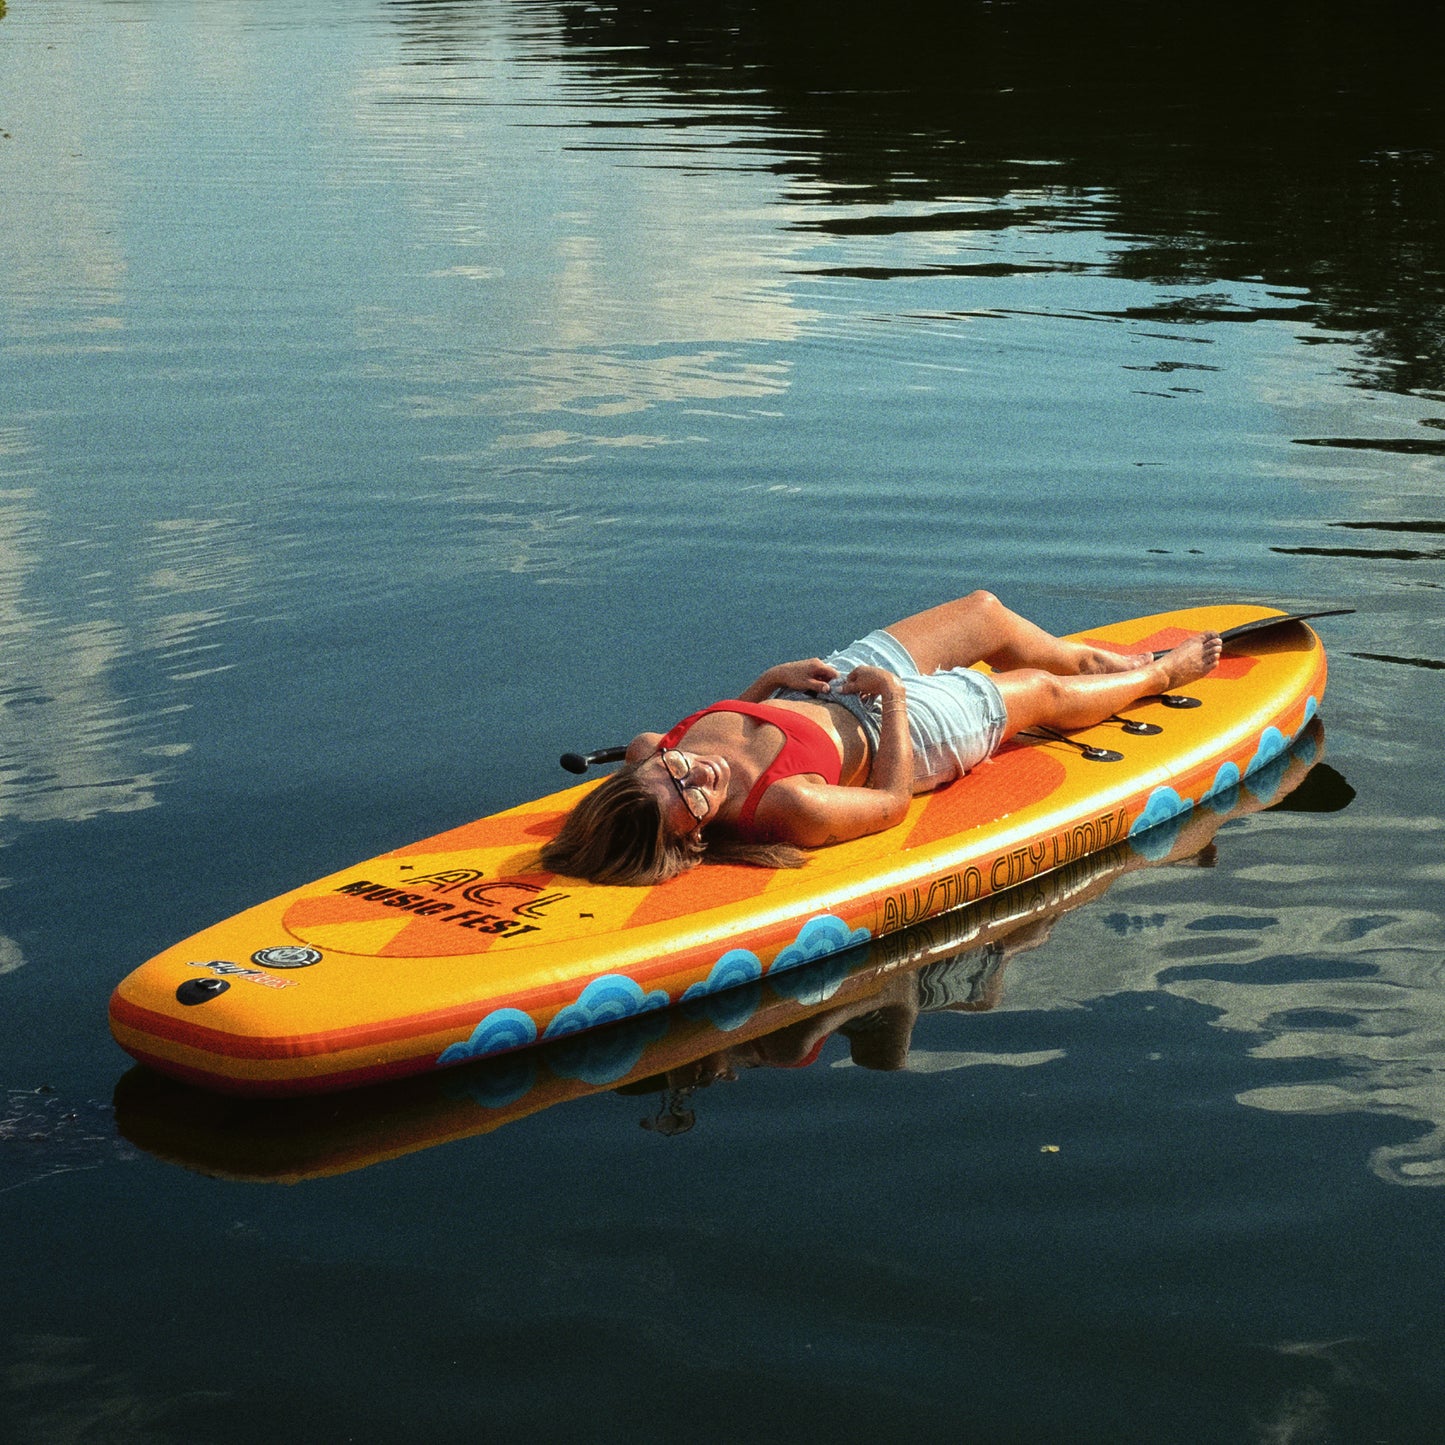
773,1022
462,946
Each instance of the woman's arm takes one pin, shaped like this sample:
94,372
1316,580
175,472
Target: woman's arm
892,770
811,674
814,814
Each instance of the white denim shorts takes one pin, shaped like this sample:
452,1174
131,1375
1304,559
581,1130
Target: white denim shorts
955,718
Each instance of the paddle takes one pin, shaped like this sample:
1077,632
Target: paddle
1263,624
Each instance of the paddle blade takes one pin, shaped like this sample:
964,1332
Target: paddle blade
1263,624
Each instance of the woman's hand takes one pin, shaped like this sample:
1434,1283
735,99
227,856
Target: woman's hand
811,674
874,682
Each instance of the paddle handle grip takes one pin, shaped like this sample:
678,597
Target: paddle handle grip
580,762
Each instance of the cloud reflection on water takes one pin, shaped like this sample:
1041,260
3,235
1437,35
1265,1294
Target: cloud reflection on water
568,277
67,739
99,634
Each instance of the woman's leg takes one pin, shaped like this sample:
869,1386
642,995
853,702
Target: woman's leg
1033,697
979,628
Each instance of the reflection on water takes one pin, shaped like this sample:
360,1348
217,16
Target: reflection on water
77,615
1329,985
1216,160
581,292
67,741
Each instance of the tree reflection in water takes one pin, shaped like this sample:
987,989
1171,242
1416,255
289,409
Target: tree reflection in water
1297,143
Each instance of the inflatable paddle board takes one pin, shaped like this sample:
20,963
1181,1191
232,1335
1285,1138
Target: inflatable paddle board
778,1022
462,945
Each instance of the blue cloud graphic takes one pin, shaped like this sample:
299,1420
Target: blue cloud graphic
1264,782
1227,777
817,938
605,1000
502,1029
1156,828
736,966
1164,803
1272,743
1223,793
1312,706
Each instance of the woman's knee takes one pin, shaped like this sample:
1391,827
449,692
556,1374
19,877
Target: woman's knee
1030,696
953,634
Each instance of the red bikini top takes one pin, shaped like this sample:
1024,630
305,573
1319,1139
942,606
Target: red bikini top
806,749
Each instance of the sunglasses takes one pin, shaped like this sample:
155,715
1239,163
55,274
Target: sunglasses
678,768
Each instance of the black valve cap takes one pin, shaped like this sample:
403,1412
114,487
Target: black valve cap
200,990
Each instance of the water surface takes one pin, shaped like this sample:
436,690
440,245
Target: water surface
394,396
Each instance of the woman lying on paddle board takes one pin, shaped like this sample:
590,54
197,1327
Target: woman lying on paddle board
828,749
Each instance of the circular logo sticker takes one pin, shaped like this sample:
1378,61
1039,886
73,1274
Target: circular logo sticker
289,955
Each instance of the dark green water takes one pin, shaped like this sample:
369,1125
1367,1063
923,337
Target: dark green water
396,395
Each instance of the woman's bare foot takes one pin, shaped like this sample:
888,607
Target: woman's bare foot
1191,660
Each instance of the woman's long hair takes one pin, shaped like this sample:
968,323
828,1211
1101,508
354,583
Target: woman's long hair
618,834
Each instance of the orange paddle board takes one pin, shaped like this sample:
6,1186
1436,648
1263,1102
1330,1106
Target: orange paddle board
462,945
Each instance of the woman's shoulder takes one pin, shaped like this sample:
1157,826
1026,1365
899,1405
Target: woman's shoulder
801,798
642,747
